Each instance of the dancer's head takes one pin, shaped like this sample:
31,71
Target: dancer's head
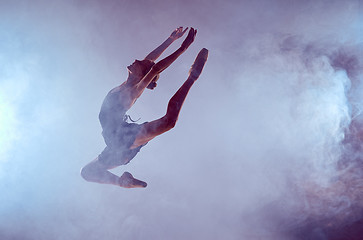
138,69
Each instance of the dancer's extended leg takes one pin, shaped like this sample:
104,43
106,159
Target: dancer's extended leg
167,122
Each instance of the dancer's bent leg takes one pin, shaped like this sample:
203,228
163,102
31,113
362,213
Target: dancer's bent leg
95,171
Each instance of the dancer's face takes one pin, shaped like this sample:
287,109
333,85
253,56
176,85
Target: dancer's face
140,68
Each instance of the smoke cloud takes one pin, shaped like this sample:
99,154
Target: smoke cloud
268,144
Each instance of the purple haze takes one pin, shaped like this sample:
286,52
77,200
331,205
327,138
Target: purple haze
268,144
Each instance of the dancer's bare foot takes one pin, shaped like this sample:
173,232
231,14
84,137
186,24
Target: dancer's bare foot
198,64
128,181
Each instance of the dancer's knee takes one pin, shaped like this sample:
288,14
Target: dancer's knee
85,173
170,122
89,173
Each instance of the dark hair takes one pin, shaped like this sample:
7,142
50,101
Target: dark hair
146,67
153,84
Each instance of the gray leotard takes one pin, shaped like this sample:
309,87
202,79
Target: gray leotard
118,134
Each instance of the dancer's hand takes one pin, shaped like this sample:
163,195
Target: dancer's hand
189,39
178,33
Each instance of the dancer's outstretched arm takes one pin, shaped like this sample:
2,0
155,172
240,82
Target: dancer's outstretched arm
166,62
177,33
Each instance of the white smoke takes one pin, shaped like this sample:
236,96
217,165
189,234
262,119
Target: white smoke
306,106
267,144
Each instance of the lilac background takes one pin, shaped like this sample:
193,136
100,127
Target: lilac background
259,146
